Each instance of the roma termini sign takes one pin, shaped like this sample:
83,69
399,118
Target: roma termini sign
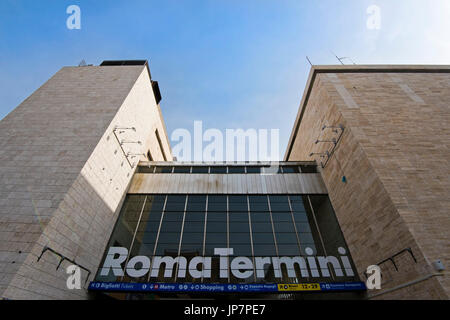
240,267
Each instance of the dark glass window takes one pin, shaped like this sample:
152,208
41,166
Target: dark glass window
302,223
235,217
297,204
179,169
197,169
290,169
217,203
264,245
286,237
192,243
196,203
306,238
237,223
194,224
263,238
216,226
265,249
262,232
232,169
258,203
281,216
308,168
126,225
235,169
214,240
221,169
145,169
253,169
163,169
167,169
170,225
237,203
175,203
303,227
282,227
239,227
169,235
279,203
261,226
288,249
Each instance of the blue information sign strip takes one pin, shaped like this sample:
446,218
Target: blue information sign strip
213,287
343,286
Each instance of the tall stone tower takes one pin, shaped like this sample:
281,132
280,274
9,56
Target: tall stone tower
388,169
68,153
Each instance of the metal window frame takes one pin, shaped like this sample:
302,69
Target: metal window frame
273,226
134,236
251,236
204,235
295,227
157,236
181,237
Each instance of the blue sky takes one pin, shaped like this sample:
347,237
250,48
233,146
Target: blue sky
232,64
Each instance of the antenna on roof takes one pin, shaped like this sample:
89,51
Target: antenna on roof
339,59
342,58
308,60
82,63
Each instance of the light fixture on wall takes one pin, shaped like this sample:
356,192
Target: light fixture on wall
341,127
135,154
321,154
334,141
124,141
119,130
325,141
124,128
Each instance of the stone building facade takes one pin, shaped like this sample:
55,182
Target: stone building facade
387,170
68,154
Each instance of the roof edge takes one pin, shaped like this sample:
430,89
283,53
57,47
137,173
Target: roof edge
315,69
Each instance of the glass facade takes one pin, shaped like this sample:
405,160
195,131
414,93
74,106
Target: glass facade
253,226
303,168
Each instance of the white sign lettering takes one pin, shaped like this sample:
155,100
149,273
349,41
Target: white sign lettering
240,267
